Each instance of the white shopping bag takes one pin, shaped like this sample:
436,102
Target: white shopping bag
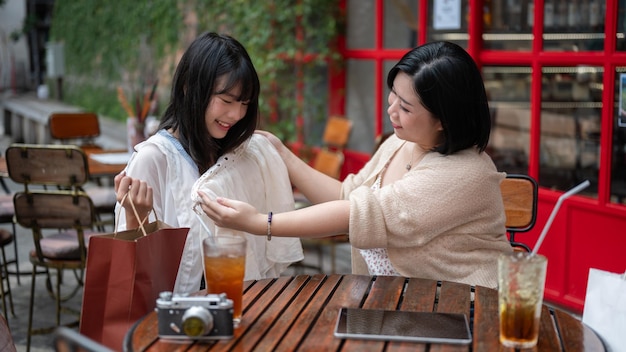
605,307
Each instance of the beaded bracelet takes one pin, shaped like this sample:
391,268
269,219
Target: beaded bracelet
269,226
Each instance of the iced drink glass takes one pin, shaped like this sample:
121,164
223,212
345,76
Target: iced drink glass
224,268
521,281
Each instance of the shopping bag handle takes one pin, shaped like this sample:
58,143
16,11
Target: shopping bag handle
132,205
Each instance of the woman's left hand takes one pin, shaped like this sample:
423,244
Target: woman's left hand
233,214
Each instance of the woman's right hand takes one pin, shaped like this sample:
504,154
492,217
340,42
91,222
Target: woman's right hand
233,214
127,188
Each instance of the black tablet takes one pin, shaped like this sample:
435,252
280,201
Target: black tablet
391,325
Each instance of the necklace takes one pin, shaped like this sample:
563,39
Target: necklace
410,163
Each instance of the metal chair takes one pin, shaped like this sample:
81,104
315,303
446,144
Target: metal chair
519,194
60,215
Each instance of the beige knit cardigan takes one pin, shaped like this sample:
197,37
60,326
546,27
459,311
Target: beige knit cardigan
443,220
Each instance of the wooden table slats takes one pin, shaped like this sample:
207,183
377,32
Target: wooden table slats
349,293
487,338
300,313
575,337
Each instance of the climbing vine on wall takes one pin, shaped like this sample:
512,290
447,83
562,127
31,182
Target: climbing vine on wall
125,42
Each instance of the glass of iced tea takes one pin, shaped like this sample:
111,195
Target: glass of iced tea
224,268
521,281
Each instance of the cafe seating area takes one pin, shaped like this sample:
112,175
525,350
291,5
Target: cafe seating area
324,259
60,214
110,137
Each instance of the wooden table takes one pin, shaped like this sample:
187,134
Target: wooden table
98,169
299,313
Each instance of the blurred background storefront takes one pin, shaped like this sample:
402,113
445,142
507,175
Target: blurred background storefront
555,72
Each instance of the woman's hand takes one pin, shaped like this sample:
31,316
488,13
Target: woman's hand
276,142
233,214
127,188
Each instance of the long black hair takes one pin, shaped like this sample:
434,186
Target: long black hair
210,57
450,86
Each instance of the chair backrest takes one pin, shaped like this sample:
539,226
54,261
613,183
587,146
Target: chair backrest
48,165
41,210
74,126
329,159
53,209
519,194
337,132
61,203
329,162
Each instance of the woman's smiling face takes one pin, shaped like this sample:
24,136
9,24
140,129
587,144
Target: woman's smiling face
410,120
224,110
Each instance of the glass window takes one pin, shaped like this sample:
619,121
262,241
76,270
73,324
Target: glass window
448,20
621,26
400,24
360,24
315,108
618,161
508,24
574,25
508,89
570,127
360,104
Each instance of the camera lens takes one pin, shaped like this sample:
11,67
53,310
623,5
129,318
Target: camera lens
197,321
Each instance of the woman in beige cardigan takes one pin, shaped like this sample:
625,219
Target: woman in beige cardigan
428,203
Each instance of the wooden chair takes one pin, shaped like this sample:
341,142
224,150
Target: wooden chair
329,160
519,194
60,215
79,128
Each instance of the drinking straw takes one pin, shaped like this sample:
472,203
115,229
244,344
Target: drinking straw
564,196
195,211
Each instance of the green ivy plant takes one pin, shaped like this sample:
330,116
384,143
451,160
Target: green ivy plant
129,42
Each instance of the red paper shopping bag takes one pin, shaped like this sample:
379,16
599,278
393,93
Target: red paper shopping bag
125,273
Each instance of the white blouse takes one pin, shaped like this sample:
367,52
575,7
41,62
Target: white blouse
254,173
162,162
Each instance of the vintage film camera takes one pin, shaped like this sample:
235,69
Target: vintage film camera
207,317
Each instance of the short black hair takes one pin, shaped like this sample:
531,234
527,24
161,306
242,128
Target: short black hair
450,86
